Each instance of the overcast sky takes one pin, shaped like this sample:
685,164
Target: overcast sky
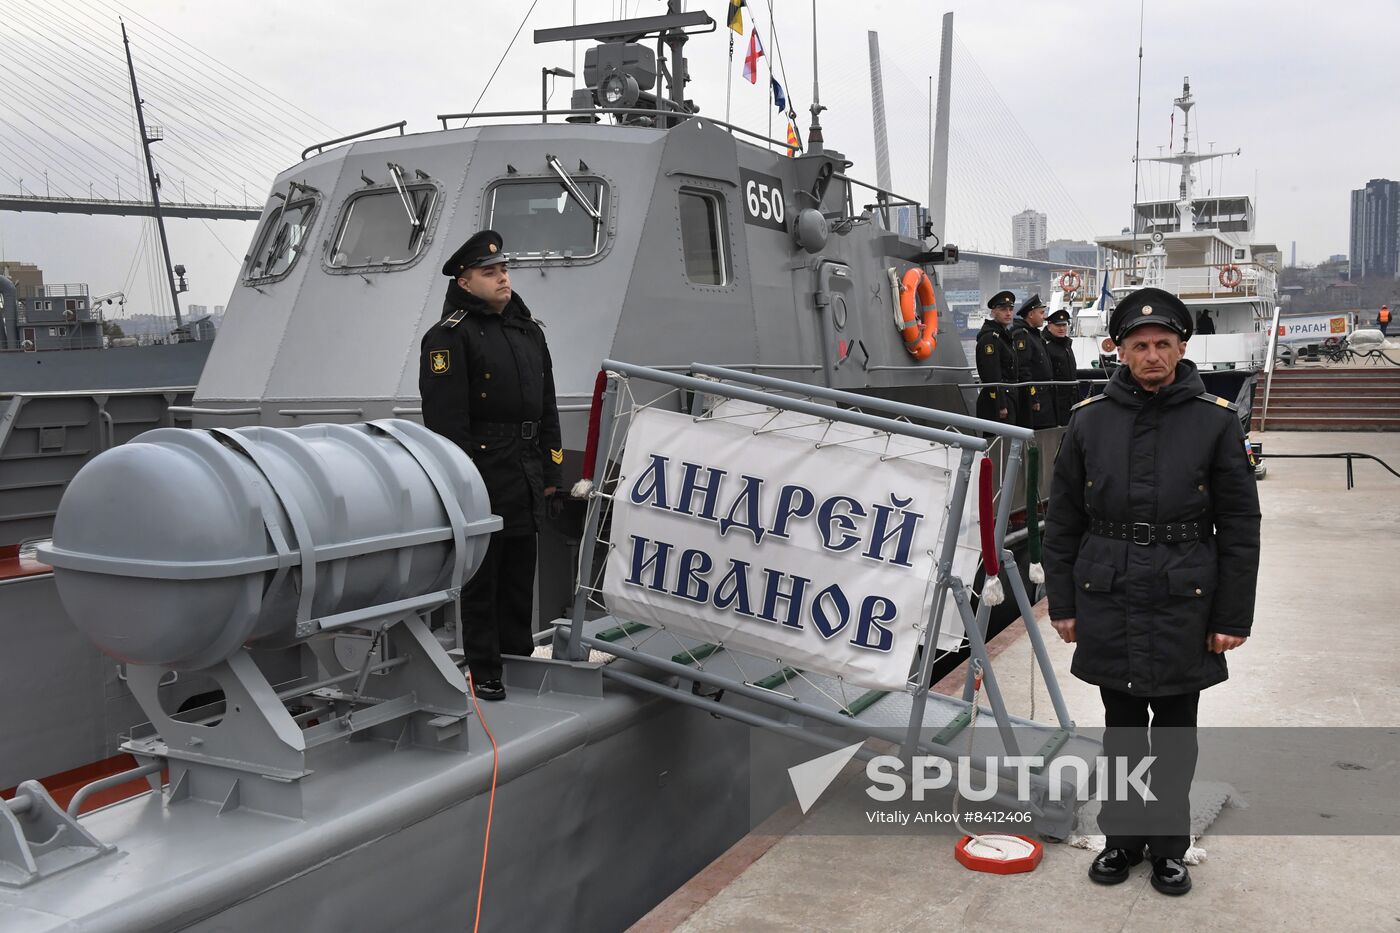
1292,84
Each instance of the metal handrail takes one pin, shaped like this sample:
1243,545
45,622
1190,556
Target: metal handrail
901,200
860,419
1269,366
85,393
345,139
592,111
110,781
194,410
868,402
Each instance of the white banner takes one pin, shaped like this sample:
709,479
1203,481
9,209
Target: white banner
768,534
1317,327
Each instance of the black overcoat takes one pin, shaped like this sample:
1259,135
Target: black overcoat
1033,365
996,362
1142,612
481,374
1060,350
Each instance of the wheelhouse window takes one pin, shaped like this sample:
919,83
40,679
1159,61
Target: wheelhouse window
543,219
384,227
703,237
283,237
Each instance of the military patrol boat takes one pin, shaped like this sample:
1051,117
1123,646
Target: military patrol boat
278,583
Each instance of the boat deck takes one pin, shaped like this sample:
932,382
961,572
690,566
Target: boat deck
1326,556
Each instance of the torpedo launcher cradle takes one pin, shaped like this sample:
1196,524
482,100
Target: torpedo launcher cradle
184,549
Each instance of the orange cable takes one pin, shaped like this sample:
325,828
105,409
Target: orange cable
490,801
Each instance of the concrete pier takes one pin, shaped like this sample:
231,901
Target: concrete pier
1325,651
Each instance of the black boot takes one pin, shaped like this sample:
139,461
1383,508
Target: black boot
490,690
1169,875
1111,865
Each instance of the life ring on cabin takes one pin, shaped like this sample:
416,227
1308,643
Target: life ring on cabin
920,335
1069,282
1230,275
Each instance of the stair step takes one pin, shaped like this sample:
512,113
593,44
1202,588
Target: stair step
1332,391
1317,422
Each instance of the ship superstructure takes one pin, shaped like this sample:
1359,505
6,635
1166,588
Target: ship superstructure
1200,248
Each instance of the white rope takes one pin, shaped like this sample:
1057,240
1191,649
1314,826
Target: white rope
998,846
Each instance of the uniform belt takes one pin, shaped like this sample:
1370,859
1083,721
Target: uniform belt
1145,533
527,430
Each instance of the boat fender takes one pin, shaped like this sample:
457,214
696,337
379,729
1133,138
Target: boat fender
920,335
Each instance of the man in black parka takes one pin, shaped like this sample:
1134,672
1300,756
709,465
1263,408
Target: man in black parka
996,362
1151,555
1060,349
1036,408
487,384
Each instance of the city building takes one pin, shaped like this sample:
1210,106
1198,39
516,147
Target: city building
1027,233
1375,229
1069,252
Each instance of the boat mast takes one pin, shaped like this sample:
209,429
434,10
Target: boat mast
146,141
1186,218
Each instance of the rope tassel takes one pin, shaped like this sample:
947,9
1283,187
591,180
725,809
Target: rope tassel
1037,572
992,593
584,487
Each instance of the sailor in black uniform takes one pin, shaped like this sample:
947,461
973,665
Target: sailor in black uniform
1060,349
487,384
1151,562
1037,408
996,362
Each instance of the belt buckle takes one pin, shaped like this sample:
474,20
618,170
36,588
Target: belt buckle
528,430
1142,533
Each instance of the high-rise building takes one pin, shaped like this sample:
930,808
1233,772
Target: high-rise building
1375,230
1027,233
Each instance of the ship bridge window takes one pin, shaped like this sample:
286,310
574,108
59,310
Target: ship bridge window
283,237
703,237
543,219
384,226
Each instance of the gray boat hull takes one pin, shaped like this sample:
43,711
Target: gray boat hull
605,804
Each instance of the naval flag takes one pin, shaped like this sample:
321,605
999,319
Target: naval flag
779,98
736,16
793,142
751,59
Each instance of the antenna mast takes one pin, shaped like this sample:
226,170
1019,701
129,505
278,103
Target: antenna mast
1137,138
815,139
146,141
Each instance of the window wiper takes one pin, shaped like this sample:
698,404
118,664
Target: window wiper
568,182
401,186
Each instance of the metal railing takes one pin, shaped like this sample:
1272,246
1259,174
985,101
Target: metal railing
595,111
319,147
1256,280
1269,370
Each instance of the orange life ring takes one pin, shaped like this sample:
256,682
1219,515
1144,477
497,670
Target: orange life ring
1069,282
920,337
1230,275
